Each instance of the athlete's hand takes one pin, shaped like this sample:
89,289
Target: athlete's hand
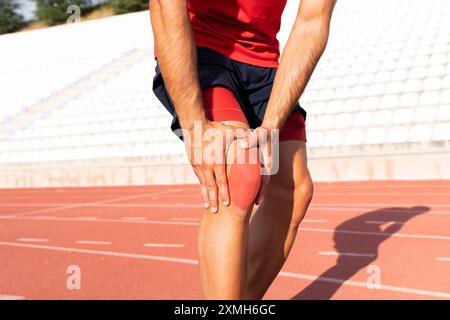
263,138
206,147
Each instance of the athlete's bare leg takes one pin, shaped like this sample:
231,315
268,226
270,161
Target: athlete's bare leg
274,226
222,245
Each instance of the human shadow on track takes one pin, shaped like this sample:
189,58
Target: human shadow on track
362,235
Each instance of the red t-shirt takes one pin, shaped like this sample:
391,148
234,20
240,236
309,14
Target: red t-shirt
243,30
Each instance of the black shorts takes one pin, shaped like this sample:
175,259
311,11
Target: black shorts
251,86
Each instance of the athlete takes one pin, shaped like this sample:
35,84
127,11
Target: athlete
219,70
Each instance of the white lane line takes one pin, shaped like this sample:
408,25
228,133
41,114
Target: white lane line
163,245
45,217
412,186
30,204
394,193
10,297
86,204
182,223
363,210
188,223
311,208
443,259
315,220
148,205
439,213
102,252
32,240
376,205
101,243
63,204
315,208
359,284
184,219
134,218
384,222
317,203
380,234
347,254
8,217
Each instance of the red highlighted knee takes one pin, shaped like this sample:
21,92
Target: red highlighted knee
244,179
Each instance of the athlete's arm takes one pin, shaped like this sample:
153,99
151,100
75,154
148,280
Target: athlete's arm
174,43
306,43
305,46
176,51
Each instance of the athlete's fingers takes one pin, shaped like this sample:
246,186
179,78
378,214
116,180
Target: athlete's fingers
265,149
240,133
262,189
266,153
204,189
249,141
234,134
212,188
222,183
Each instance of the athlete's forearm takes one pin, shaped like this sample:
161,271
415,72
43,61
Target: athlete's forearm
176,53
303,50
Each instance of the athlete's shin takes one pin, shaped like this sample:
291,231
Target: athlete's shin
223,236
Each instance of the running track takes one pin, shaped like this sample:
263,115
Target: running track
139,243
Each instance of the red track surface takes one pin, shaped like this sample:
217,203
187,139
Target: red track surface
368,226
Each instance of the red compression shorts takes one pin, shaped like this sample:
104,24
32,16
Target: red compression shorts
222,105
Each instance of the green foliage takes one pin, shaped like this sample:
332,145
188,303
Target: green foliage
55,11
126,6
10,20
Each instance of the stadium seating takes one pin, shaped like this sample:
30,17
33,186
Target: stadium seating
82,92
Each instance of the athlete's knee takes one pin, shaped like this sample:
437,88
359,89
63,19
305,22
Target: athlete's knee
244,176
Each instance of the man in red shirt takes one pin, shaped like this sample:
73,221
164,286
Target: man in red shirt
218,71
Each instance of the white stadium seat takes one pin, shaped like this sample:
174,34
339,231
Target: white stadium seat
382,118
446,79
443,112
429,98
371,103
409,100
375,136
397,135
420,133
441,132
334,138
403,116
425,114
354,137
362,119
390,101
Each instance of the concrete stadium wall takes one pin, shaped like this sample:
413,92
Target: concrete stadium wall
94,175
356,168
396,167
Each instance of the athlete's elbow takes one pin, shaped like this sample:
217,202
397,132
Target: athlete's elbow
317,30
